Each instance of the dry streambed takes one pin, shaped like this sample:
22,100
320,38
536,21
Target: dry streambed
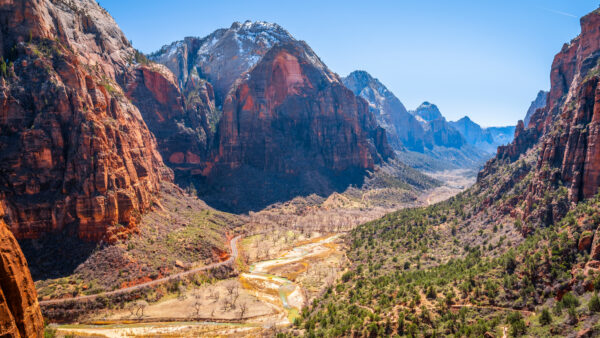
268,296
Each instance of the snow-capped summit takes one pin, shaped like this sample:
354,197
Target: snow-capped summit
223,56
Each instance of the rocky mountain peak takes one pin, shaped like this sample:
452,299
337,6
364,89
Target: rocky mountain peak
290,122
222,56
465,119
403,130
427,112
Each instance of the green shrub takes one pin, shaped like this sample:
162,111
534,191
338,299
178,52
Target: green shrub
545,317
49,332
594,304
517,324
569,301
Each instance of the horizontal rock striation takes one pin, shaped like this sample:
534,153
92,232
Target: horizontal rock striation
75,153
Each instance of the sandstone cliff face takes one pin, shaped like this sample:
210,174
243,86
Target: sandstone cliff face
403,129
75,153
182,124
566,132
291,127
20,314
291,108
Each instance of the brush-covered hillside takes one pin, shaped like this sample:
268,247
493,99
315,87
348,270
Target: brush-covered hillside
517,254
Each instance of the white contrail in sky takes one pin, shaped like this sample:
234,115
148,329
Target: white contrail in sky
559,12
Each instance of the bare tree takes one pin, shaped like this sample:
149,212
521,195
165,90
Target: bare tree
243,308
140,306
235,295
215,295
231,287
197,306
131,307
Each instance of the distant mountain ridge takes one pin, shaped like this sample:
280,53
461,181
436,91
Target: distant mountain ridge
403,129
487,139
412,133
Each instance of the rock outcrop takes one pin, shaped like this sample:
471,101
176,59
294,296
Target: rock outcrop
75,153
20,314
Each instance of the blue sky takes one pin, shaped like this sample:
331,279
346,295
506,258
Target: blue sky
485,59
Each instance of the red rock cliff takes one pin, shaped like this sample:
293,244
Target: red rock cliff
183,125
290,113
20,314
74,151
567,131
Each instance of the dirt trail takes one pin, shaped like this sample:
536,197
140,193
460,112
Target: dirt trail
232,258
496,308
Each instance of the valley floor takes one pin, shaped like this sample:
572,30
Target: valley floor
289,255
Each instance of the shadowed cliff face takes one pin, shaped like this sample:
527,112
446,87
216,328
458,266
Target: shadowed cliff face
20,314
263,119
74,152
567,130
291,120
182,124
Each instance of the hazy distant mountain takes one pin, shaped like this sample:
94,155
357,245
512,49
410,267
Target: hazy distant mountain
437,129
539,102
427,112
485,139
403,129
423,138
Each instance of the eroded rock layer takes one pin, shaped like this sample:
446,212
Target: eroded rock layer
75,153
20,314
567,130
